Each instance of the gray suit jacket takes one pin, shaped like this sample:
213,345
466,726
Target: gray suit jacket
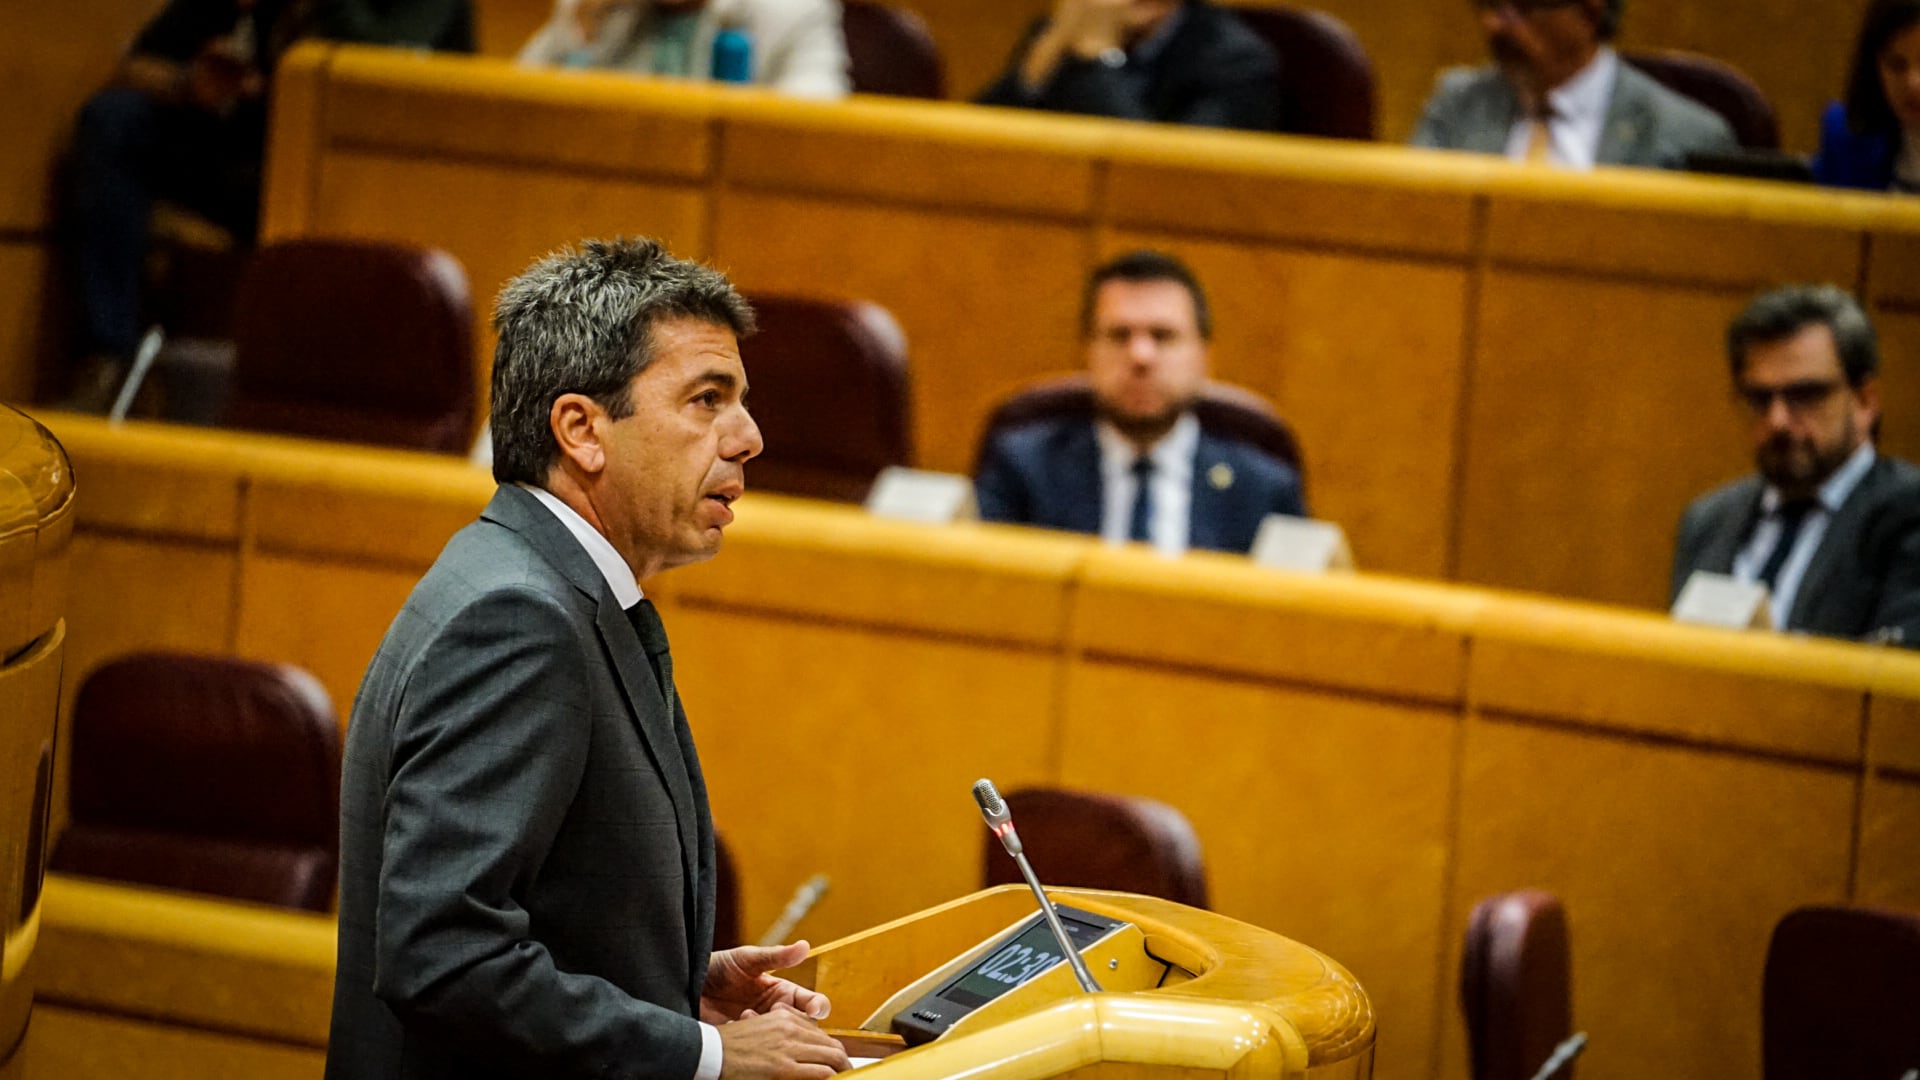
1864,580
1647,124
526,882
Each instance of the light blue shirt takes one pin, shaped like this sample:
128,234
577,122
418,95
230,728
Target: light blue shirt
1578,115
1748,563
1172,480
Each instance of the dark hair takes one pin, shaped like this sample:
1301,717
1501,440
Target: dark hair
581,322
1146,266
1868,111
1609,23
1783,312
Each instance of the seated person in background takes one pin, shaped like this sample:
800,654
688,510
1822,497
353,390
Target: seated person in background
1873,141
797,46
1174,61
1558,93
1144,469
1831,526
185,120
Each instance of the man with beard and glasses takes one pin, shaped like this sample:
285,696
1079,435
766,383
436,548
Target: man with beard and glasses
1559,94
1830,525
1142,468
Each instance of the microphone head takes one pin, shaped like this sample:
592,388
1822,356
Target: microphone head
991,805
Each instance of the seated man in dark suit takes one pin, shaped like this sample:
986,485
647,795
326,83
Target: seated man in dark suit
1143,469
1174,61
1558,93
1830,525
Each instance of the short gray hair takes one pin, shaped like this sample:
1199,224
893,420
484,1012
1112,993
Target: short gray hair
581,322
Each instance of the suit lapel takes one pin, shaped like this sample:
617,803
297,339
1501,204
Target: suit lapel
1488,134
1076,457
1722,544
1211,486
1843,529
1629,120
646,700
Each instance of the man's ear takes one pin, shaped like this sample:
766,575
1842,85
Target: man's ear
578,422
1868,396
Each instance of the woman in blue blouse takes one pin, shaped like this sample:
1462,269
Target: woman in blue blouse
1873,141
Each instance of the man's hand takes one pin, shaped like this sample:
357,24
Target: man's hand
782,1044
738,984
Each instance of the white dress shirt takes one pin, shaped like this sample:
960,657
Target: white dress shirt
1172,491
627,592
1752,558
1578,115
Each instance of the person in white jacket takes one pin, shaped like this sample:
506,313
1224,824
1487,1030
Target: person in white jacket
797,46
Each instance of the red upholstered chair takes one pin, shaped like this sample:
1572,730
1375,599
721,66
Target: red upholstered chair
1096,841
831,394
356,341
1223,409
890,51
1515,984
1719,86
1842,995
1326,77
207,774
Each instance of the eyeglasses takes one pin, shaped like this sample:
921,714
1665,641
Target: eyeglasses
1797,396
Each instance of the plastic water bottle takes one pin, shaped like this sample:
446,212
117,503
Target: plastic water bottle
732,56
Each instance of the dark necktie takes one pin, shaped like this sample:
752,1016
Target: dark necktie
1139,525
653,638
1792,516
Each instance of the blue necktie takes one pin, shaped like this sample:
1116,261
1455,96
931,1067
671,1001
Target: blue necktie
1138,526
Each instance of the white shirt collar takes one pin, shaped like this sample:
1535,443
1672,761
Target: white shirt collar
1583,99
612,567
1835,490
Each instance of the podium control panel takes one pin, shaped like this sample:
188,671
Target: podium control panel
1019,956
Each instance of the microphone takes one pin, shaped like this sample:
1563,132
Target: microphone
1000,820
1562,1056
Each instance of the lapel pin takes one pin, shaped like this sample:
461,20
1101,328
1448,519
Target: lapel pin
1220,476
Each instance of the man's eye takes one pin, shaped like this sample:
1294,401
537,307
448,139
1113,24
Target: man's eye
711,399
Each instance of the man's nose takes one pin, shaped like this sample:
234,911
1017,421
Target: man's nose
1493,19
1141,348
1779,417
742,442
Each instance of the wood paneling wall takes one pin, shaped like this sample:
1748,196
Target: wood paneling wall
1363,757
1499,375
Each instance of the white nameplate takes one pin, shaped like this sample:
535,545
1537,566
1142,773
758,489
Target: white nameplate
1295,543
1720,600
933,498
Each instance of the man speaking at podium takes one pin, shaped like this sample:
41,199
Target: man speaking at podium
527,857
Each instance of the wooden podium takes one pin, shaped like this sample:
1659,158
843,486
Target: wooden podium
1185,993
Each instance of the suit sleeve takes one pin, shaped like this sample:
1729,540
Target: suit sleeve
1436,128
490,745
998,487
1891,548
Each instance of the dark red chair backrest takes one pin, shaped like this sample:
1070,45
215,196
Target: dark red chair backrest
1326,77
726,896
1090,840
831,393
1719,86
1224,409
207,774
1516,984
356,341
1841,998
890,51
